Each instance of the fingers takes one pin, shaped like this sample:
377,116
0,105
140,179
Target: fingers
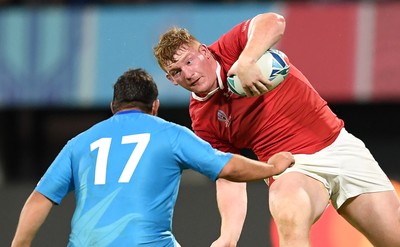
287,156
256,89
290,158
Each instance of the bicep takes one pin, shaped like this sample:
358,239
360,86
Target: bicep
39,203
33,214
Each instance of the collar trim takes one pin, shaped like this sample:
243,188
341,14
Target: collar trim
127,111
220,86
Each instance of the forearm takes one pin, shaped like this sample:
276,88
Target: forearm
32,216
241,169
232,204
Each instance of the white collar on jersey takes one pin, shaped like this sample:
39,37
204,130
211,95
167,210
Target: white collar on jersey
220,86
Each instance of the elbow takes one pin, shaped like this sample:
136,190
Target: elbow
278,18
232,171
279,22
274,17
275,20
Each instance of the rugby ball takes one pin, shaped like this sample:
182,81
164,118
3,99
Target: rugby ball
274,65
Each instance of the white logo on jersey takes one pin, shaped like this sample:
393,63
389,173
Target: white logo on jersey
223,118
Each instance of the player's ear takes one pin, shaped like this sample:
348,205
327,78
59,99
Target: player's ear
169,77
112,108
203,49
154,108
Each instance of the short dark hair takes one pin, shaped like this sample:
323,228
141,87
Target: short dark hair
135,88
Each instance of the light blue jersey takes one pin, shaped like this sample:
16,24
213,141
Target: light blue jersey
125,172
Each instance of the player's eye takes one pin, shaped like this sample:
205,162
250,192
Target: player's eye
175,73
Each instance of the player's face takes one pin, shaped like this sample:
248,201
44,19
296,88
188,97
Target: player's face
193,70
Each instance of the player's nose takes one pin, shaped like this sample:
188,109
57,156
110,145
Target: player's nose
188,73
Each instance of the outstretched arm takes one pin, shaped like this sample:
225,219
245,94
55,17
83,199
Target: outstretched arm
242,169
32,216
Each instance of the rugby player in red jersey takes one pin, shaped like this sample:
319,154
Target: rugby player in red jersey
331,165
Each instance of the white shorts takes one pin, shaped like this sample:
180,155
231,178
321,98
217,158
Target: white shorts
346,168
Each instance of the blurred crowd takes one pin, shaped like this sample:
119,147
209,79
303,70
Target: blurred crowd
106,2
66,2
99,2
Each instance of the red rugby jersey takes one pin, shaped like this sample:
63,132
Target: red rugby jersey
293,117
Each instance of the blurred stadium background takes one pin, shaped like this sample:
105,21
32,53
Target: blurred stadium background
59,60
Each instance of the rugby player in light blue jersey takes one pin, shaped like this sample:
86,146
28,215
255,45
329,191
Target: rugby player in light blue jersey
125,172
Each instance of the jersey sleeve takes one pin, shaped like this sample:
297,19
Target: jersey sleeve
229,46
216,143
194,153
57,181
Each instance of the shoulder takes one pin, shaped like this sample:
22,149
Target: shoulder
230,45
166,127
236,35
201,110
